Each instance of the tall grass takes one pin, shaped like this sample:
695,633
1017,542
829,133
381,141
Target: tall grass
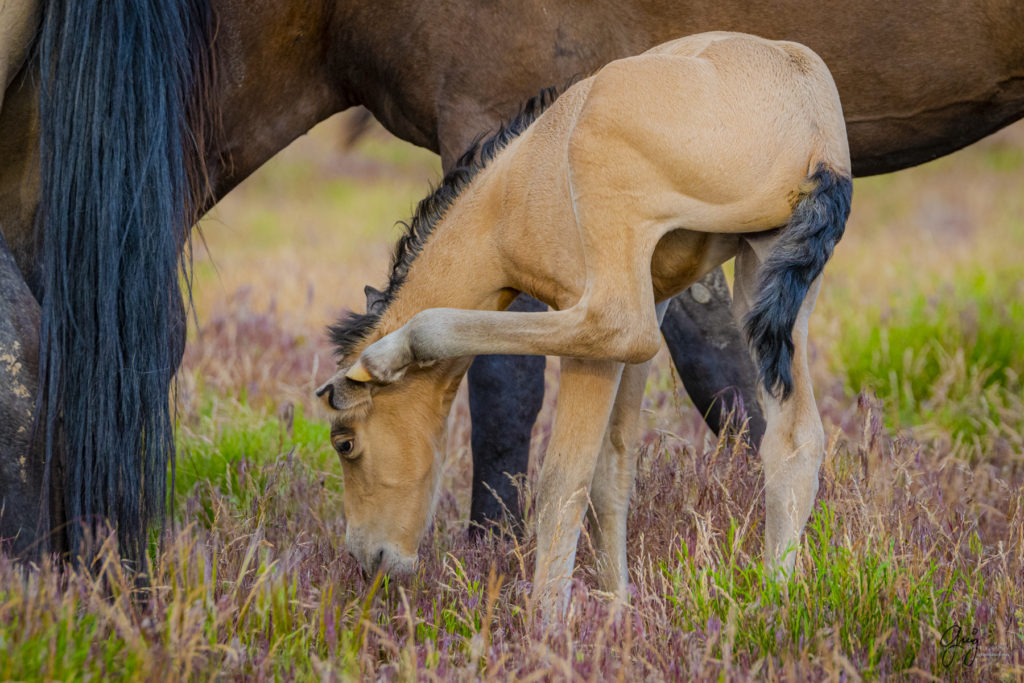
254,580
946,363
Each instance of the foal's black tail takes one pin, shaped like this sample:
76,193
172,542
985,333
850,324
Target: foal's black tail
797,258
118,165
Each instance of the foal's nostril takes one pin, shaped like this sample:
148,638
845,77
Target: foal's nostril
329,390
379,560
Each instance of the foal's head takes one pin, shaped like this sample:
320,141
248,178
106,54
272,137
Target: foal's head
390,433
391,442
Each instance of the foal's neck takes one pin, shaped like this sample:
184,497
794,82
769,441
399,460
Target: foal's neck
459,265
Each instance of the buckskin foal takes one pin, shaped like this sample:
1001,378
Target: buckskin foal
629,187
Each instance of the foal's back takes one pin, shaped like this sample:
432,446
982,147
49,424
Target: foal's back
718,130
713,133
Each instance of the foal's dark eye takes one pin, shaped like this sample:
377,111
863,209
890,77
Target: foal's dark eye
345,447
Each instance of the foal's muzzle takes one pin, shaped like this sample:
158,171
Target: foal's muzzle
373,557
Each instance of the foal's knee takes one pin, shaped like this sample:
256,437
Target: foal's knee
799,439
625,337
562,485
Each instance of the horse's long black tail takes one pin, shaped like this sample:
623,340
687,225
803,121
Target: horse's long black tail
797,258
115,209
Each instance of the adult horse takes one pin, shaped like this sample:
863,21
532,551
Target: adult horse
918,79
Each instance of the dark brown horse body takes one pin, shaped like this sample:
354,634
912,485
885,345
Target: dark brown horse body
918,79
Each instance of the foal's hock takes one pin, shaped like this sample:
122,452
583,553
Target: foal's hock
603,202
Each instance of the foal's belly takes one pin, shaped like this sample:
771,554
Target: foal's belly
682,257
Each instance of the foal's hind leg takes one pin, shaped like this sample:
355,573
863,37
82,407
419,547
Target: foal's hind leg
794,440
613,482
616,472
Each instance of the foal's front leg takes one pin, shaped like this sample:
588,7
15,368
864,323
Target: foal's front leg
585,397
626,333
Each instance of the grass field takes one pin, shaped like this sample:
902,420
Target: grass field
912,566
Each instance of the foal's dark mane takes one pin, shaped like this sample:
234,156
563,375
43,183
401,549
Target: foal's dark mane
353,327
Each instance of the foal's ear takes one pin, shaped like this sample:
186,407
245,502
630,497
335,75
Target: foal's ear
374,300
342,393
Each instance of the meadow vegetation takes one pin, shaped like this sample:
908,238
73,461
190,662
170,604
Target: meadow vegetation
912,566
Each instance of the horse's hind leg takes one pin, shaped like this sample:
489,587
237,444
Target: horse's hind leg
586,394
613,482
505,396
19,20
794,440
21,465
